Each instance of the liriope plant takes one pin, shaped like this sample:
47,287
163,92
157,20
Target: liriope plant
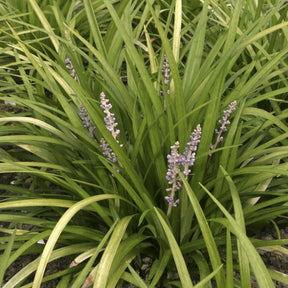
105,140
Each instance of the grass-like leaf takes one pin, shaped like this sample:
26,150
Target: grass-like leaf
176,252
260,271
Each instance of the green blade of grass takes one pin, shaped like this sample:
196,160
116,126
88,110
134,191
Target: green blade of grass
260,271
61,224
140,282
32,266
239,217
45,23
176,252
204,270
176,94
161,268
81,277
41,124
101,277
207,234
177,30
20,251
194,60
229,262
4,258
95,28
208,278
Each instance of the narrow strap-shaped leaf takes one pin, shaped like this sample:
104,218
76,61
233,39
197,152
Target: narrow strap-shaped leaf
192,66
140,282
101,277
206,232
32,266
177,30
94,28
176,252
176,92
161,268
229,262
61,224
260,271
4,258
208,278
95,252
45,23
239,217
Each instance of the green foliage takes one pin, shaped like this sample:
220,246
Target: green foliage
113,224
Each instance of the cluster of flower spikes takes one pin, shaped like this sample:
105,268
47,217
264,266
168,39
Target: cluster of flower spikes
111,125
109,119
224,122
176,160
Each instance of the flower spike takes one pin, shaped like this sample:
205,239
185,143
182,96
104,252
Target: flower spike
110,117
70,67
111,126
175,161
84,116
224,122
87,121
188,158
166,73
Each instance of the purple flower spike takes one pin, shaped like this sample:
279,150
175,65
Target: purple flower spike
108,153
172,175
188,158
174,164
175,161
110,117
111,126
224,122
166,73
70,67
86,121
166,70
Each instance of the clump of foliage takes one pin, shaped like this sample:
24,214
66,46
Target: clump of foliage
97,94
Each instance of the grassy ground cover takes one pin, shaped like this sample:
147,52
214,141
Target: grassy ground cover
147,140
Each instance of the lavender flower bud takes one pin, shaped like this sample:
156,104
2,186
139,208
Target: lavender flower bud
171,201
224,122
